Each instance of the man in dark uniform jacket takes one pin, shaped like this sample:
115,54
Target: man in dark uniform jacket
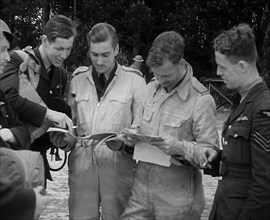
12,132
15,202
243,193
56,45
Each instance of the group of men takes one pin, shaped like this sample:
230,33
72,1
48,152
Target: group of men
109,97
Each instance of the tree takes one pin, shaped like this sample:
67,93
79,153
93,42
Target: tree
265,61
138,22
24,19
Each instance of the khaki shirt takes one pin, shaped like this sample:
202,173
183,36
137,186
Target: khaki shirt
187,113
116,110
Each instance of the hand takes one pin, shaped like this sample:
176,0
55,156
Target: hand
129,141
170,146
62,140
7,135
59,119
41,201
116,144
210,154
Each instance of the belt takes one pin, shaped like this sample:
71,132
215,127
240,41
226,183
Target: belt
232,170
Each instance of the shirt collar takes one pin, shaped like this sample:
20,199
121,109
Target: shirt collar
244,91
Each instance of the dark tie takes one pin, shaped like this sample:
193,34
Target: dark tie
50,72
102,80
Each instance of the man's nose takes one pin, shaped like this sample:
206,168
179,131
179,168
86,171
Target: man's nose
64,54
219,73
7,57
99,60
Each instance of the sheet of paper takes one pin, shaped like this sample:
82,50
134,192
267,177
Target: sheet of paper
151,154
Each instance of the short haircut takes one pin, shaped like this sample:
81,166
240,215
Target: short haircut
237,44
102,32
168,45
59,26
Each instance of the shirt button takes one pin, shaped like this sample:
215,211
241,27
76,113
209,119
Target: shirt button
235,135
225,142
229,127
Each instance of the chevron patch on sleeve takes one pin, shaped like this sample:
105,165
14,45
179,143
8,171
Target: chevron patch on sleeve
261,141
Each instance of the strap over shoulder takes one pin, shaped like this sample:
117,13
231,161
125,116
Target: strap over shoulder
30,61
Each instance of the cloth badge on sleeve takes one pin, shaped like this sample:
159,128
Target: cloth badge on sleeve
261,141
266,113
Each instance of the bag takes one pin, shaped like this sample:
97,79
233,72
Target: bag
21,168
29,74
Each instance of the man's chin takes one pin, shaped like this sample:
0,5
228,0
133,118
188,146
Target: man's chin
58,64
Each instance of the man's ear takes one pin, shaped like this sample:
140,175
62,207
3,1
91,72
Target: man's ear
44,40
243,65
116,50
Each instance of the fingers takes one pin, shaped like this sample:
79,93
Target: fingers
59,139
212,155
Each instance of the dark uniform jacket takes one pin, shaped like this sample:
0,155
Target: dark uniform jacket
8,119
50,89
244,191
16,203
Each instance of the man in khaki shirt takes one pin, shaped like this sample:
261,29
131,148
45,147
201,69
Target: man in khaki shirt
180,110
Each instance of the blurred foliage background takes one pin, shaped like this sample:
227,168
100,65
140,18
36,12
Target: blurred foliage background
138,22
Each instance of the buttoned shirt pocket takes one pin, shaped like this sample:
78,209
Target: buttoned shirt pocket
147,113
237,143
174,125
241,130
147,126
119,110
120,99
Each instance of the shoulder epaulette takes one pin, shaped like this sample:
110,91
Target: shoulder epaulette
131,70
199,87
80,70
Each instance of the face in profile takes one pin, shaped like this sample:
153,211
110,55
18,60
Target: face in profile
58,50
103,56
228,71
4,55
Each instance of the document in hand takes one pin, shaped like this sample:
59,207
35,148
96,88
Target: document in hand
102,137
146,152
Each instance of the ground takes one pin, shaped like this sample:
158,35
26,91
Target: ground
58,189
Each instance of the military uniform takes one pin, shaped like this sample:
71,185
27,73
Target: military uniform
186,113
50,88
244,191
99,176
8,119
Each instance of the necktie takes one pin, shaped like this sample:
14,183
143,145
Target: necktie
102,80
50,72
